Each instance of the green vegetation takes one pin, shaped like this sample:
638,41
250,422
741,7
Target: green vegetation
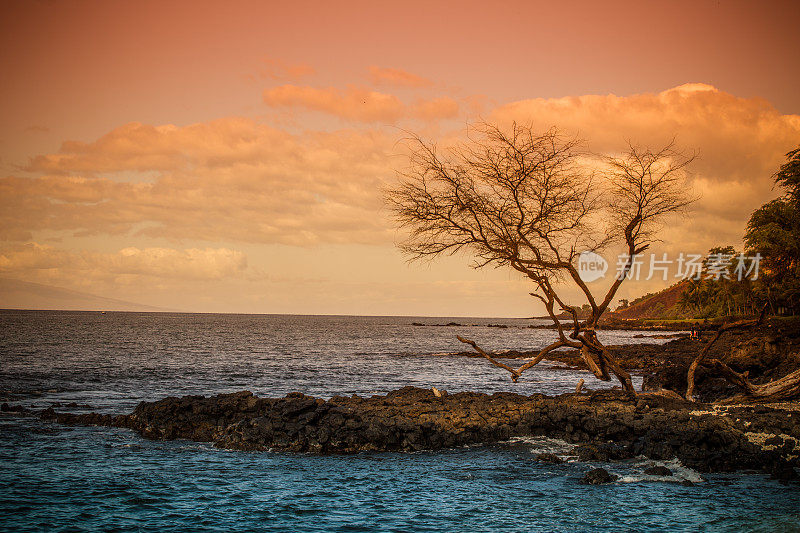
726,286
639,299
774,232
724,289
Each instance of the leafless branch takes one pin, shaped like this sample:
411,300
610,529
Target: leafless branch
741,324
529,201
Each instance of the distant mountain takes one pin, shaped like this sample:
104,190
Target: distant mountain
16,294
663,304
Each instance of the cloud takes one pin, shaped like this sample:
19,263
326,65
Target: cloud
43,262
396,77
235,180
353,103
740,143
736,137
143,147
225,180
361,105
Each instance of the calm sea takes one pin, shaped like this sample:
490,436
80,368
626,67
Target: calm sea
55,478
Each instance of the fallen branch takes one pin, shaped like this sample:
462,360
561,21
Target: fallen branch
730,374
607,361
514,373
742,324
785,388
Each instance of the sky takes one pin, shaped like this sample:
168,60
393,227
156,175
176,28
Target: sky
231,157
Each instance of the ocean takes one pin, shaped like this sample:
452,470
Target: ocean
56,478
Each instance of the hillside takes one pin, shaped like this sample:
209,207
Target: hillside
660,305
663,304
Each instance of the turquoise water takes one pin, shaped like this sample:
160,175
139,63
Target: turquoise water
55,478
105,479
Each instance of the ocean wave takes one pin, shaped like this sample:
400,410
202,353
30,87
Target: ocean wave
541,444
680,472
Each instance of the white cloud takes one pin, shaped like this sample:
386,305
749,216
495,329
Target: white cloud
226,180
39,261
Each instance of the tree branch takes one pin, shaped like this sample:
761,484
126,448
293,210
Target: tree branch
741,324
495,362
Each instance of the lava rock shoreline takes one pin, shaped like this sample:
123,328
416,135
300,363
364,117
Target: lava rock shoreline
607,425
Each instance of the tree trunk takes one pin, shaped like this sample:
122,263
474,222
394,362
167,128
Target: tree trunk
785,388
742,324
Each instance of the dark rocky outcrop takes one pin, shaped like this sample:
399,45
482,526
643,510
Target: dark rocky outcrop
6,408
767,352
608,424
599,476
658,470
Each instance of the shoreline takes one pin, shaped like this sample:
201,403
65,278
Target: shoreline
606,425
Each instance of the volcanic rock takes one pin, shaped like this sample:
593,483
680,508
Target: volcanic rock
599,476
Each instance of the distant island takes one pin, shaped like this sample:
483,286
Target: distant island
17,294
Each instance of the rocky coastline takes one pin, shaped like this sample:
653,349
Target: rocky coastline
605,425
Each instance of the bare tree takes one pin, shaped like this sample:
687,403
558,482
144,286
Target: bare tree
534,202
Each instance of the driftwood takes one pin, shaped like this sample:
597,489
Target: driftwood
785,388
741,324
515,373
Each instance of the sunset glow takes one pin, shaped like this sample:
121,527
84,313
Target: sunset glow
212,157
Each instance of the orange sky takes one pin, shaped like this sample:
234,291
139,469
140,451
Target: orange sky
228,156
